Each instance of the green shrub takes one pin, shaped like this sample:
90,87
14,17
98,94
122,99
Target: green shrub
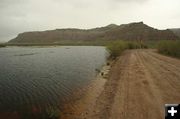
171,48
116,48
132,45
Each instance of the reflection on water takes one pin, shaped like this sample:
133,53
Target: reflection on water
37,80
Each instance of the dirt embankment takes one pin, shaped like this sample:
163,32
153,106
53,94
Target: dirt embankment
140,83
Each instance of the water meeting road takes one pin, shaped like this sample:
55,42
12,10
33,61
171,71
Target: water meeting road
140,83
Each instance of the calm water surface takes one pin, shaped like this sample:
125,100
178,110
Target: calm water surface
36,77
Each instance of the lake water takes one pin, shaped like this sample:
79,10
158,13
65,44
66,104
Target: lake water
36,78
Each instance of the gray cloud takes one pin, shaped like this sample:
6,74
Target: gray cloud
29,15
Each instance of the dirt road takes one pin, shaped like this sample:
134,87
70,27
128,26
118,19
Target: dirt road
140,83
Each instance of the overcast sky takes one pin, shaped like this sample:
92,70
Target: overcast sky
18,16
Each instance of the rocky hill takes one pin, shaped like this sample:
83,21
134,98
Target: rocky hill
176,31
132,31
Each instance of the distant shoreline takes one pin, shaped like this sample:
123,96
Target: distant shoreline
2,45
86,43
50,44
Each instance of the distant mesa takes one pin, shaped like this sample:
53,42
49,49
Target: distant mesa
112,25
132,31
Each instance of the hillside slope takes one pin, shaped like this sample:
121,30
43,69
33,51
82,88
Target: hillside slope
132,31
176,31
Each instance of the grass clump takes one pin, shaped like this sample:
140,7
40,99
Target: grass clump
116,48
171,48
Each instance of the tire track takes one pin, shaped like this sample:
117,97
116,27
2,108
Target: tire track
140,82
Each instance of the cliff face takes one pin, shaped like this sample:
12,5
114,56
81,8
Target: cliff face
132,31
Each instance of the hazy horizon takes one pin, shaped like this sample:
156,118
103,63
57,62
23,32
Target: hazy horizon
31,15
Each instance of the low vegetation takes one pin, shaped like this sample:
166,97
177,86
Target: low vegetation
171,48
2,45
116,48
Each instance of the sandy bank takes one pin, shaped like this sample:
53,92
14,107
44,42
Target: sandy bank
85,104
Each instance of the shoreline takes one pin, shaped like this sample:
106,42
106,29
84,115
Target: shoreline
134,79
84,105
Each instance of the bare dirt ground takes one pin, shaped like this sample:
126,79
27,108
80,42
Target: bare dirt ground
140,82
